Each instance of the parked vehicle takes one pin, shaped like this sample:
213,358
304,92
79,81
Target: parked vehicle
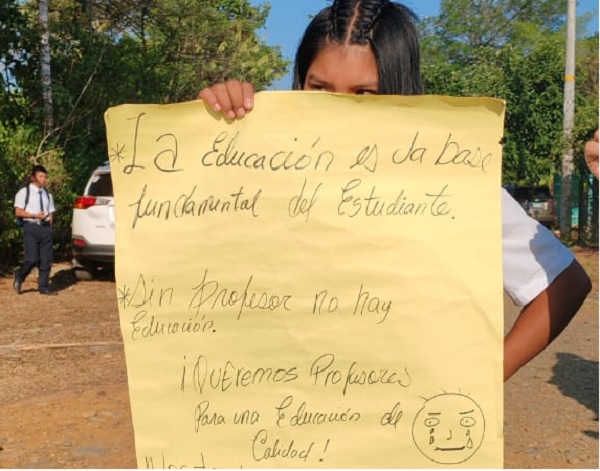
93,226
538,202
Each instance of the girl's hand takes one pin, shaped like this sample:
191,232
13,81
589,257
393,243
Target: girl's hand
233,99
591,155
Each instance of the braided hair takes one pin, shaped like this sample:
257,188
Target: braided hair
387,27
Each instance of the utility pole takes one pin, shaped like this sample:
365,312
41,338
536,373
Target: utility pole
568,120
45,68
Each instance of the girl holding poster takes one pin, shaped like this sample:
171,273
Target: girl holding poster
371,47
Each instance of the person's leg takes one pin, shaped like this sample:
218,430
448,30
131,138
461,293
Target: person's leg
46,241
31,245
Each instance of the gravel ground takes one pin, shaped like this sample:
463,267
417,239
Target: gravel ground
64,401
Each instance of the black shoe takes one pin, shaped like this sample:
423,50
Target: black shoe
47,292
17,284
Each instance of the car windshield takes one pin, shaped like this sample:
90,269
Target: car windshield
101,185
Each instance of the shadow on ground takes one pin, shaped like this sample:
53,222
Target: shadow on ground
66,278
577,378
63,279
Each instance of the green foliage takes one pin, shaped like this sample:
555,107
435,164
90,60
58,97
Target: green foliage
514,50
586,118
16,148
104,53
19,152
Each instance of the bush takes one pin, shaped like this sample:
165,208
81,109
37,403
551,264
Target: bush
18,153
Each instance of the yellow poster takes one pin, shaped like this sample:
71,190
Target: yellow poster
317,285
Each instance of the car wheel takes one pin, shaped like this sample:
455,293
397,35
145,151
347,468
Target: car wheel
83,271
103,271
83,274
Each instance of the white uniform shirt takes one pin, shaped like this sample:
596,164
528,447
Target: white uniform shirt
33,205
532,256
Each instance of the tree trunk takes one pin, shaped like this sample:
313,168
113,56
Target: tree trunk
45,67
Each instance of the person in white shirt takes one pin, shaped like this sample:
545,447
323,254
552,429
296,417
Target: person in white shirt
34,207
372,47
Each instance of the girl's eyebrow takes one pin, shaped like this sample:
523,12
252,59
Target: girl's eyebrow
313,78
367,86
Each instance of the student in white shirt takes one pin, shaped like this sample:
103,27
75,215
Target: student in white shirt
35,207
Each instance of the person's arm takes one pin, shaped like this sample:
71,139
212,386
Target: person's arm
542,320
591,154
233,99
21,213
51,209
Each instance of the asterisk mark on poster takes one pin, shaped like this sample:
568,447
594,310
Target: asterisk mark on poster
124,296
117,153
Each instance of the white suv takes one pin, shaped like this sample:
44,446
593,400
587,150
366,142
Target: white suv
93,227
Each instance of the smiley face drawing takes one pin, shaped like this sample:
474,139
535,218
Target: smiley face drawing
449,428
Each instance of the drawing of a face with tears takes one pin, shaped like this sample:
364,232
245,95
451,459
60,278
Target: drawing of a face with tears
449,428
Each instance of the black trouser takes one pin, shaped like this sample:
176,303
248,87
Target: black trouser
38,241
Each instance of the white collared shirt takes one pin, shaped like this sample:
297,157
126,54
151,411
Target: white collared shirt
532,256
33,205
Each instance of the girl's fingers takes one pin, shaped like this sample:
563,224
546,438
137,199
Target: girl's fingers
222,93
232,99
248,93
209,97
591,155
236,95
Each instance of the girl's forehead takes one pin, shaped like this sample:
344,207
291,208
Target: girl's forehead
350,61
347,52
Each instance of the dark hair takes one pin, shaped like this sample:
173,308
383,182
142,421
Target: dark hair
387,27
38,169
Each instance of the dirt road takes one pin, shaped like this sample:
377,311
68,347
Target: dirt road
64,400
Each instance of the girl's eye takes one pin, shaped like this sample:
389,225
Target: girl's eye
366,92
317,87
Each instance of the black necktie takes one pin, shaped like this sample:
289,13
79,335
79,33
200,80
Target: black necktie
41,202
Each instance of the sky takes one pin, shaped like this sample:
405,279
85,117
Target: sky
289,18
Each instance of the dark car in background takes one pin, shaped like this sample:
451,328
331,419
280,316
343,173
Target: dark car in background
538,202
